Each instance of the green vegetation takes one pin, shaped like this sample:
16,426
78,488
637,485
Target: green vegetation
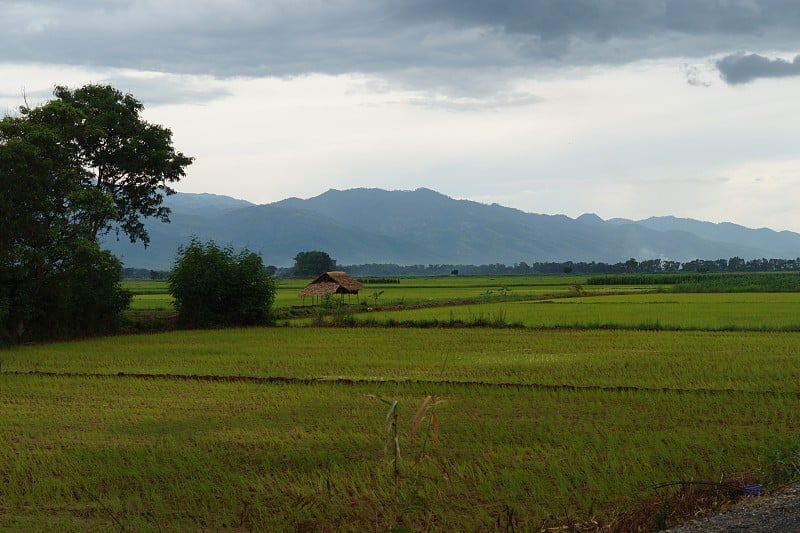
212,286
313,264
71,170
141,454
606,394
727,311
746,361
409,291
607,388
530,301
537,427
719,282
762,282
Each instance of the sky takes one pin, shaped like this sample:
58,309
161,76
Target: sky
623,108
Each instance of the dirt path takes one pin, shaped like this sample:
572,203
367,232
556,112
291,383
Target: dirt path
775,513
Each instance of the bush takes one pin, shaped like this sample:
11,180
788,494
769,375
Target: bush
212,286
81,297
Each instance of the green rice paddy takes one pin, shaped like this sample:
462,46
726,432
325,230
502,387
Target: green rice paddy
646,311
498,429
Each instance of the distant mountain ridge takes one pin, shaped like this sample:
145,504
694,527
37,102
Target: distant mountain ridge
422,226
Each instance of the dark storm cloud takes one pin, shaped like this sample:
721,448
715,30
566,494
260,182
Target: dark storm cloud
740,68
395,38
601,20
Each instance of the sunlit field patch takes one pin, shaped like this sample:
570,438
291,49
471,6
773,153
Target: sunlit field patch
645,311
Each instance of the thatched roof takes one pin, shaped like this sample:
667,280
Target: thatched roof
332,283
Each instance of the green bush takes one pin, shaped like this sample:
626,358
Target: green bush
212,286
81,297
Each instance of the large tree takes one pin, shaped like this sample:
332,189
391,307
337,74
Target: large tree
55,200
123,157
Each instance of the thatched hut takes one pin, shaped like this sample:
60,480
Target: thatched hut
331,283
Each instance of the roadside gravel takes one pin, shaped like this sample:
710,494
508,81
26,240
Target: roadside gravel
774,513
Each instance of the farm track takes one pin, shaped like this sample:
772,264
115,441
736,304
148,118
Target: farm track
359,382
779,511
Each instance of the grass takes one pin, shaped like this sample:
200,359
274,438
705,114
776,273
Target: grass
717,311
515,429
709,282
410,291
744,361
522,301
127,453
538,428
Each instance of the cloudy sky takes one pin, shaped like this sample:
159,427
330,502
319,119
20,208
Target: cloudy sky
624,108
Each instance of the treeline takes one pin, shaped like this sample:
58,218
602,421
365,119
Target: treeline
144,273
631,266
648,266
156,275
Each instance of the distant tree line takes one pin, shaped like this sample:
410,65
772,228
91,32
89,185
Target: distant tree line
371,272
651,266
144,273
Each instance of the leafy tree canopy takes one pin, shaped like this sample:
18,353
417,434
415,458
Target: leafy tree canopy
312,263
213,286
70,170
122,159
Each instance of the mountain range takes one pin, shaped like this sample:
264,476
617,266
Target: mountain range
359,226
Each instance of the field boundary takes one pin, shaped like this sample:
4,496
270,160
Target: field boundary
360,382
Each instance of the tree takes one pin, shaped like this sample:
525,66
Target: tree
54,279
123,157
70,170
312,264
212,286
736,264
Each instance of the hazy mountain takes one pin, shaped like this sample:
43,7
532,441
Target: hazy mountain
778,243
203,203
423,227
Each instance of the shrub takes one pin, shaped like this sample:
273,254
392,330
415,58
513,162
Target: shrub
80,296
212,286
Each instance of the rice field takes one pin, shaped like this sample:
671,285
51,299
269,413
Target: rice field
745,361
716,311
280,428
410,291
576,418
127,453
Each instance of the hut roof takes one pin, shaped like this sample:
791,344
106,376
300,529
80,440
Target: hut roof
332,283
